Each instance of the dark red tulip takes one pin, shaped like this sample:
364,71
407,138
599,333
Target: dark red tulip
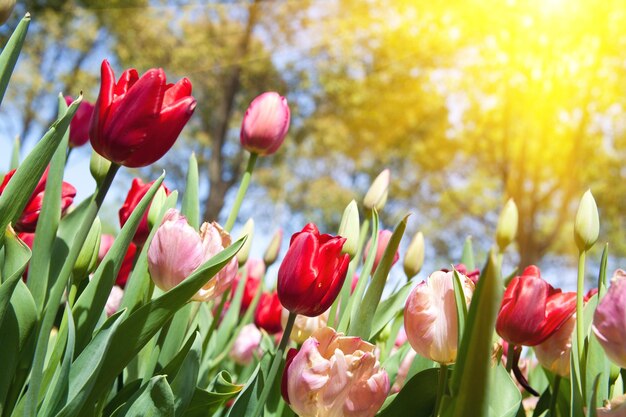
106,242
532,310
312,272
137,120
268,313
28,220
79,127
137,190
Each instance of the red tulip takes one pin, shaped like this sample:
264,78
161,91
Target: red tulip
268,313
532,310
28,220
79,127
127,264
137,190
137,120
312,272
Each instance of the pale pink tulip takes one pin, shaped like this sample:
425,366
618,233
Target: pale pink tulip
334,375
383,240
246,345
609,320
265,124
616,408
554,353
177,250
430,317
403,371
304,326
114,300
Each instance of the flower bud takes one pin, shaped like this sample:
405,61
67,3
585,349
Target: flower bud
6,8
244,252
507,225
609,319
273,249
246,344
414,256
376,196
98,166
265,124
88,256
349,228
334,375
430,317
587,224
175,238
304,326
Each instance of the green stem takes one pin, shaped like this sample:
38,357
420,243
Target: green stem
580,321
555,394
278,359
49,314
509,357
243,187
72,295
441,390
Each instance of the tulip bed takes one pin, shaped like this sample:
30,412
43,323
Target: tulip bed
171,318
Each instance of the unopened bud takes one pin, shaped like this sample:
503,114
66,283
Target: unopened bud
156,206
587,225
99,166
349,228
507,225
88,256
244,252
376,196
414,257
6,8
273,249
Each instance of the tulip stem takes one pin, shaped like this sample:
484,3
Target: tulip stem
555,394
278,359
580,321
243,187
510,353
441,390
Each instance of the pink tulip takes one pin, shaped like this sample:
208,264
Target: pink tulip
403,371
114,300
609,319
383,241
334,375
554,353
265,124
247,344
430,318
177,250
615,408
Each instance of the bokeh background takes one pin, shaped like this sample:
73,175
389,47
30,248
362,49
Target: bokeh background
467,102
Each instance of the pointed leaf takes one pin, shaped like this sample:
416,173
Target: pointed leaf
10,54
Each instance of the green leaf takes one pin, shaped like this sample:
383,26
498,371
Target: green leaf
15,155
597,364
467,258
48,222
85,369
461,306
57,396
593,409
471,385
16,258
89,306
136,330
191,202
505,398
417,397
17,329
10,54
390,308
18,191
247,400
205,403
184,381
367,309
602,280
155,399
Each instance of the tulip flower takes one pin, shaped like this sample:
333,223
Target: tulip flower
430,316
265,124
175,237
615,408
334,375
255,268
30,215
305,326
137,120
532,310
383,240
79,126
554,353
609,319
507,225
268,313
376,196
138,189
114,300
106,242
246,345
414,256
462,269
6,9
312,272
271,253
